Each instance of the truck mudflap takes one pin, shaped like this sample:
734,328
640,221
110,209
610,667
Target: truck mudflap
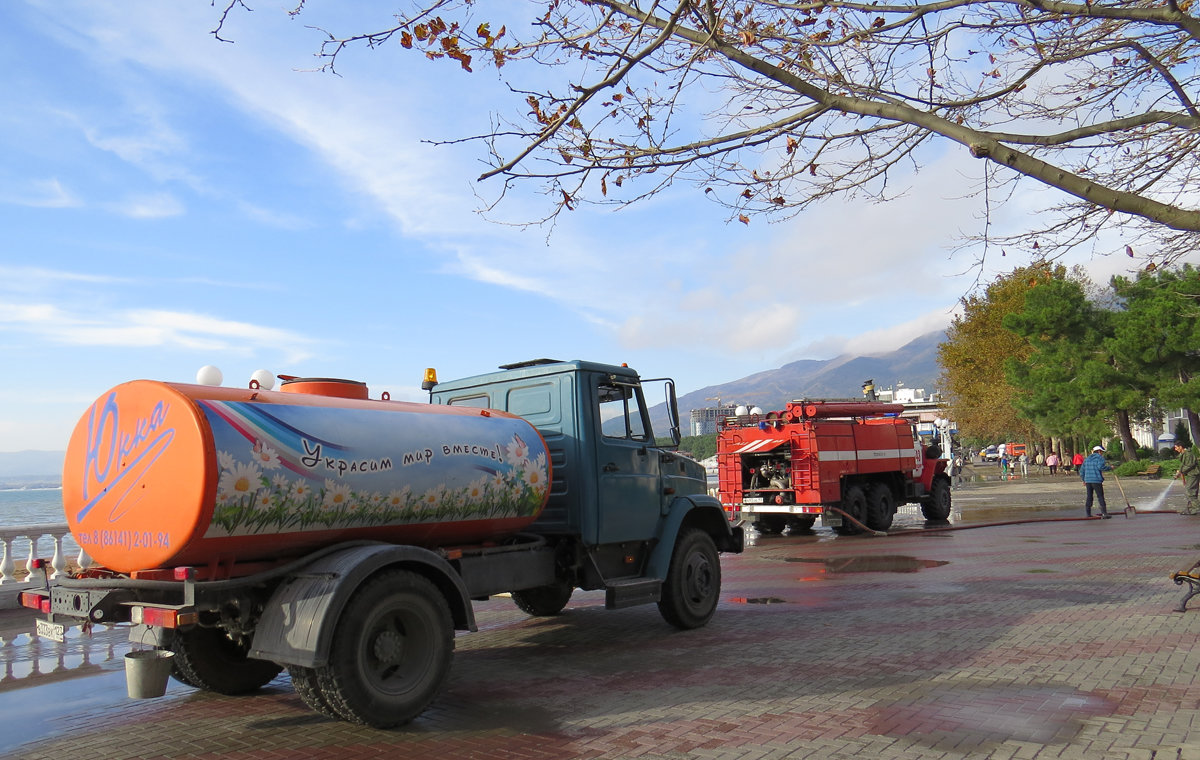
696,510
298,621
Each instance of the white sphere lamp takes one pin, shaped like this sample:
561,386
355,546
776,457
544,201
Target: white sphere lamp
209,375
265,379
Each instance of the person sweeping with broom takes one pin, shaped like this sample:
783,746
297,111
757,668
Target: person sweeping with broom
1091,471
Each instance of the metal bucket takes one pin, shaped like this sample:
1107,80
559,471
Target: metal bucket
146,672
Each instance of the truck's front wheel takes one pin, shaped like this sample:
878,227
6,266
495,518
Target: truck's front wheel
937,506
543,601
390,652
208,659
693,585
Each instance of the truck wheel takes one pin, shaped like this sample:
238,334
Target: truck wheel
854,503
881,508
308,688
937,506
799,524
543,601
390,651
693,585
770,525
208,659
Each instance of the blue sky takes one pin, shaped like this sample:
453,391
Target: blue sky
170,201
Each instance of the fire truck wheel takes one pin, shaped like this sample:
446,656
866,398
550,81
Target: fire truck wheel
770,525
937,507
208,659
305,682
801,524
693,585
881,507
854,503
543,601
390,651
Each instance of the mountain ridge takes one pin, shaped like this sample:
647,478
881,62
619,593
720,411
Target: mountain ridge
912,365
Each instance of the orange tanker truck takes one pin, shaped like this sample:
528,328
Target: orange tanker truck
849,463
242,531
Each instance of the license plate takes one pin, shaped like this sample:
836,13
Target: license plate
831,521
48,630
752,500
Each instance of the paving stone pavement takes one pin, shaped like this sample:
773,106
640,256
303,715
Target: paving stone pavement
1035,640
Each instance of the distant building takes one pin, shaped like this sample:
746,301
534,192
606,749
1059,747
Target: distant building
1158,432
926,412
704,421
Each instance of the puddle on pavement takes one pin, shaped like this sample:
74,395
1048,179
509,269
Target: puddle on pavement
874,563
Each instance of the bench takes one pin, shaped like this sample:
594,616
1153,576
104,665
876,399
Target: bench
1191,577
1153,471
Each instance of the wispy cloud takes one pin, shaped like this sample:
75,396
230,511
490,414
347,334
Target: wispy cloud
145,328
37,193
157,206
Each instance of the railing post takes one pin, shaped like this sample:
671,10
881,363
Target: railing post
33,542
56,561
6,565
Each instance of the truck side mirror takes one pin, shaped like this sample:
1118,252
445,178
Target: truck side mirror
672,411
671,403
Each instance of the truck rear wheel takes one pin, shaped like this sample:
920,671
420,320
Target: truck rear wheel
854,503
937,506
881,507
208,659
308,688
799,524
543,601
390,651
693,585
770,525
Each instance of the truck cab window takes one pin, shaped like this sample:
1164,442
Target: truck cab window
621,414
481,401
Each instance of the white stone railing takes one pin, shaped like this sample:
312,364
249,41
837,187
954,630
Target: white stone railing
22,544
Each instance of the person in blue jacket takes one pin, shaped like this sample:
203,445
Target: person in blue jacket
1092,474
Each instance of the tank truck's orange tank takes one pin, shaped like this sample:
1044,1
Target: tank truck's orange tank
168,474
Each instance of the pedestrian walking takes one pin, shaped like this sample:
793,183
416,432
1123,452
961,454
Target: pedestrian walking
1003,467
1041,461
1091,472
1189,472
1052,463
1024,462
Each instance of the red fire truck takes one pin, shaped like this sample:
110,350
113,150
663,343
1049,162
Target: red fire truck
848,462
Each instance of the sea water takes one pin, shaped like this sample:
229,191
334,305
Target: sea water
31,506
34,506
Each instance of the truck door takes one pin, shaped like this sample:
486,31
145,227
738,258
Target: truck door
627,465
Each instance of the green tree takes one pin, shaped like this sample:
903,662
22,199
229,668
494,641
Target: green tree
1158,335
978,395
1073,383
767,106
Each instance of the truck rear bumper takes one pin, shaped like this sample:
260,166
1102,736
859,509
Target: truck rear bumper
781,509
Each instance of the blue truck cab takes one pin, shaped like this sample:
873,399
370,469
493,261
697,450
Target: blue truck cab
624,514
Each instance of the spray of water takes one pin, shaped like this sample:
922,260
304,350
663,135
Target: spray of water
1158,501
